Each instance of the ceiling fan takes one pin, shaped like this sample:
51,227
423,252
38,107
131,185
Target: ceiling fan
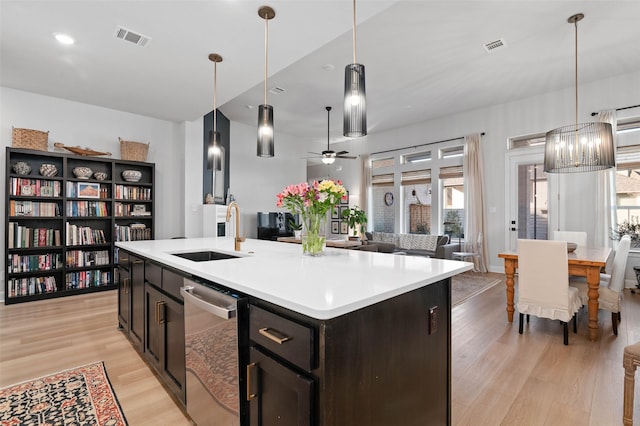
329,156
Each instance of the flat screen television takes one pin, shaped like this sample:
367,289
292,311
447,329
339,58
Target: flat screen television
272,225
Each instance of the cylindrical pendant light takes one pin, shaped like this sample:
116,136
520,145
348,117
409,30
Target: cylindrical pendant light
214,160
581,147
265,111
355,101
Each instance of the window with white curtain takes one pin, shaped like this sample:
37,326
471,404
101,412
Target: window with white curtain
628,172
452,203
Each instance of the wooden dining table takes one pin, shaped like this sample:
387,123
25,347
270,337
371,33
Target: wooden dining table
584,262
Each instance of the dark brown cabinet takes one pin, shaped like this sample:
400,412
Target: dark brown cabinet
278,394
164,332
385,364
131,297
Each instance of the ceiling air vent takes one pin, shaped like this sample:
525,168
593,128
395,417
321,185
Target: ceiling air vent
132,37
495,45
276,90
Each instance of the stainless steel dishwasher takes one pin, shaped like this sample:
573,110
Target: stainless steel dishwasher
211,353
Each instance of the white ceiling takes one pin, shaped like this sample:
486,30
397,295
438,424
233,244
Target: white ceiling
424,59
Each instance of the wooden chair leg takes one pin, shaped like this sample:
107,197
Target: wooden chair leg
528,318
520,323
614,322
629,382
575,323
619,316
565,332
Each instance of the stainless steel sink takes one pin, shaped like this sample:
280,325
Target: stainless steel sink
205,256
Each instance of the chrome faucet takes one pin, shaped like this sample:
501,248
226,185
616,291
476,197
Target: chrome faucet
237,239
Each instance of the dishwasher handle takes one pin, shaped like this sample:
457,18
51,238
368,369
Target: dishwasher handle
220,308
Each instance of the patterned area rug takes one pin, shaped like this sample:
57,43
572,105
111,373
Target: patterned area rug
466,285
79,396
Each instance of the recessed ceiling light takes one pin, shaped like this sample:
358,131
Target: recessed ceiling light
249,106
64,38
328,67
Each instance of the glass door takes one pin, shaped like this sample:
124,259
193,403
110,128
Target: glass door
528,201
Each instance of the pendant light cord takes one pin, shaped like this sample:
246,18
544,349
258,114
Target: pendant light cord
576,65
215,90
266,54
354,31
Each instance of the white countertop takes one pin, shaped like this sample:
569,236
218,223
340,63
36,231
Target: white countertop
324,287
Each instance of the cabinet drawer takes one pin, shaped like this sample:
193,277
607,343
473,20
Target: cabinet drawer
171,283
123,259
288,339
153,274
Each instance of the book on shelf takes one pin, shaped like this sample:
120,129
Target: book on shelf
34,187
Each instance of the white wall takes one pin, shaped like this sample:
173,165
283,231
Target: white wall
500,122
78,124
255,181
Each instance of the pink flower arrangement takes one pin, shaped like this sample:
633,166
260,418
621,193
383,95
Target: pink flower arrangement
317,198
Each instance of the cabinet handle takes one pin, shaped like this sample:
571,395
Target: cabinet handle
269,335
160,312
124,259
137,262
126,285
250,395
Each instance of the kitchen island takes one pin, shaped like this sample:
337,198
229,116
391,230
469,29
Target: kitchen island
368,334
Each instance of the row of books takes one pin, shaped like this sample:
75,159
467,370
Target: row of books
80,258
122,209
23,237
86,279
34,187
83,235
87,209
34,262
133,232
31,285
33,208
124,192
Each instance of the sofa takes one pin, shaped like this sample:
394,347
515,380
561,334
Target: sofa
437,246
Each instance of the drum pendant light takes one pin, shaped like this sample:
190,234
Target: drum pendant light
214,153
355,102
577,147
265,111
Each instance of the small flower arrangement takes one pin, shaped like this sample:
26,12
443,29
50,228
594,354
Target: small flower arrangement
317,198
312,202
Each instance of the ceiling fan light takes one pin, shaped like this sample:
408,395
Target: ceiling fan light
328,160
265,131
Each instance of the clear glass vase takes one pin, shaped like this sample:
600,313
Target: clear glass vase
313,233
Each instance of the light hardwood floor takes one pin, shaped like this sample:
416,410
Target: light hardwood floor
499,377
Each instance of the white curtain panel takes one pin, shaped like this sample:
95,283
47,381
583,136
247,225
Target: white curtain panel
474,229
606,191
365,184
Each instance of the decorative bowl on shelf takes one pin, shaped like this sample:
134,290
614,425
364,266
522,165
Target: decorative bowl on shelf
571,247
82,172
22,168
48,170
132,175
100,175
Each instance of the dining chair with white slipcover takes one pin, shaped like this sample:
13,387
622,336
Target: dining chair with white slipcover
578,237
543,283
611,286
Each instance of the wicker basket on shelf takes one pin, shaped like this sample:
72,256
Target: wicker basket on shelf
30,139
133,151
